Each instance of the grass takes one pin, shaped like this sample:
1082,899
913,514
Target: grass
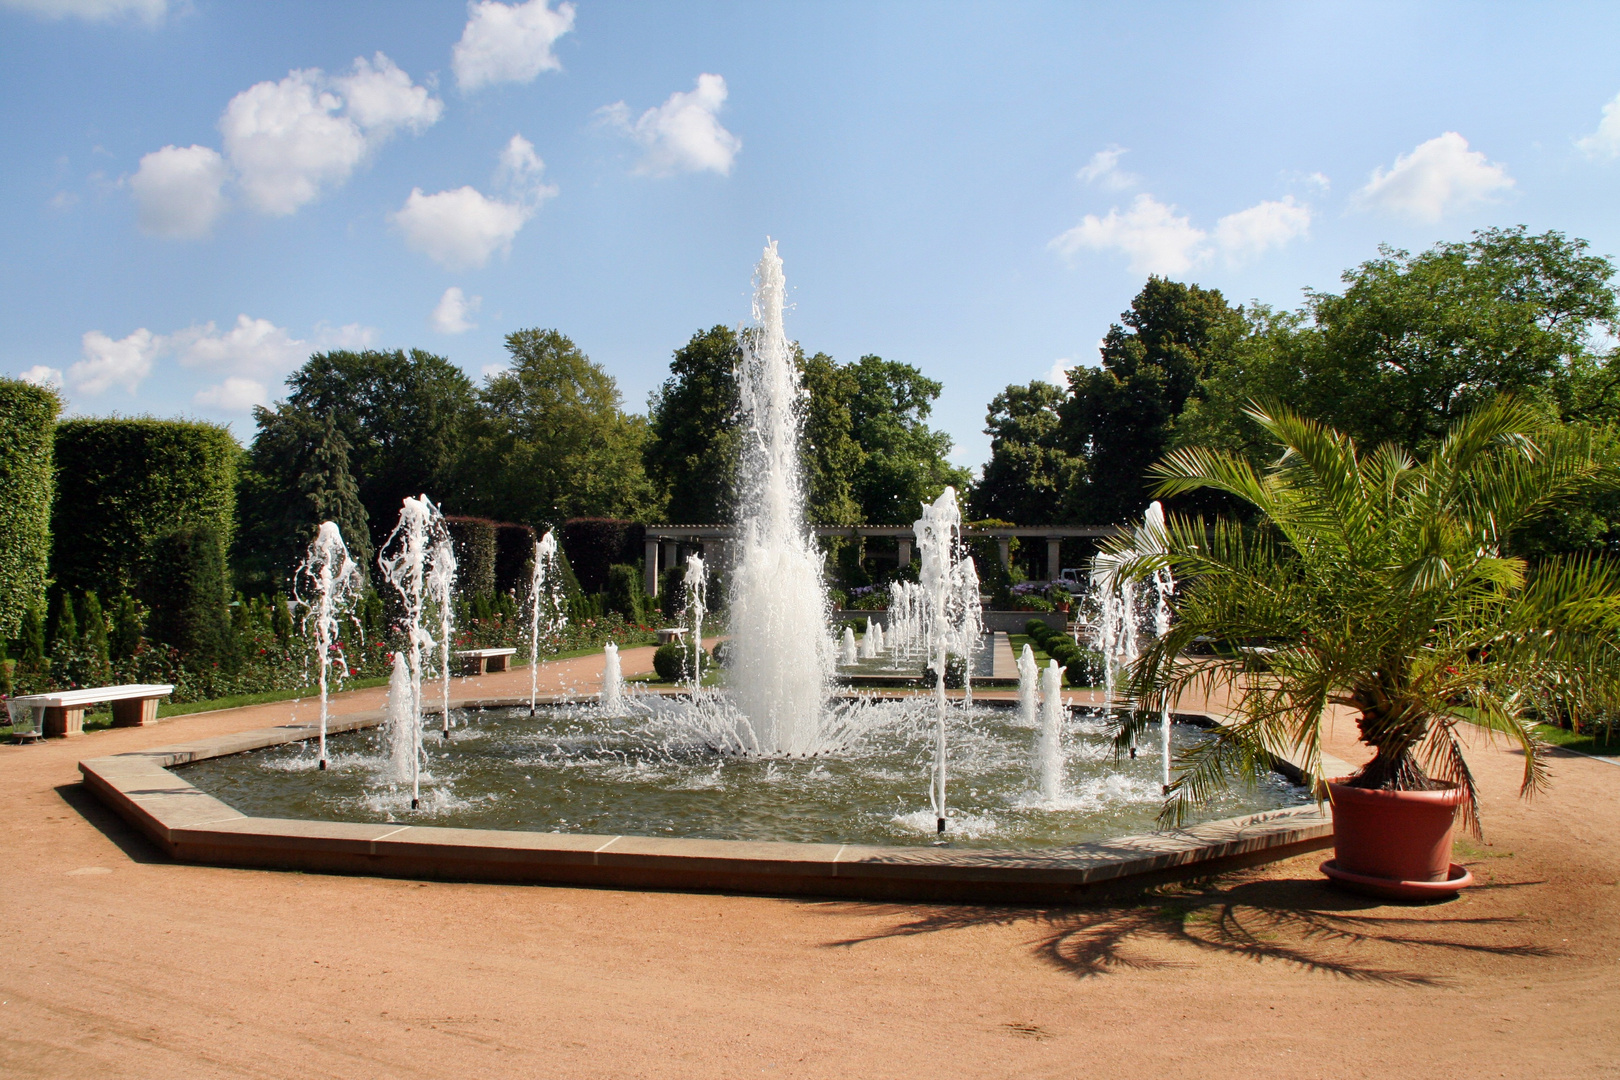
1018,641
1601,744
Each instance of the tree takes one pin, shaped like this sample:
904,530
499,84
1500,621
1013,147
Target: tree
552,442
832,458
331,494
1030,471
1417,341
1382,583
1120,418
406,418
905,463
693,446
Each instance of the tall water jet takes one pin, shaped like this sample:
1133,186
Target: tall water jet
403,728
781,652
696,582
1152,538
869,641
1029,678
1051,744
547,610
407,559
326,583
1114,634
612,698
441,589
945,581
848,653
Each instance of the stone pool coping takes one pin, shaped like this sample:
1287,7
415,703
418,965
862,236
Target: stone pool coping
191,826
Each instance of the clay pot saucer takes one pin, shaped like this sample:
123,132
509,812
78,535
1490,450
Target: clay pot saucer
1392,889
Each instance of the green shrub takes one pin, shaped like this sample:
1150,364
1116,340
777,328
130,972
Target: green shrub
27,445
673,662
672,591
126,629
955,673
1085,669
98,657
121,484
722,652
857,625
1037,629
184,585
625,594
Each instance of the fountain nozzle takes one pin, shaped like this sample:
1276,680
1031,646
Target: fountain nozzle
941,829
415,803
446,734
323,764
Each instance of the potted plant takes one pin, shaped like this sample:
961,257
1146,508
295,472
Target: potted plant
1386,585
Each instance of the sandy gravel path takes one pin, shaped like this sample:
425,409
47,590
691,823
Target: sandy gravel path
115,962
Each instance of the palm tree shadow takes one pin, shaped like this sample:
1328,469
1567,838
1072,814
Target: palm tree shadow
1298,922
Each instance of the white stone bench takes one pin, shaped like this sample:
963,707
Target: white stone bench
671,633
482,661
133,705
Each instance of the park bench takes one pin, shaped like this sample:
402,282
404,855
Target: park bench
671,633
133,705
482,661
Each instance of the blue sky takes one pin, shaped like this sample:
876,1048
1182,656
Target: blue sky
196,195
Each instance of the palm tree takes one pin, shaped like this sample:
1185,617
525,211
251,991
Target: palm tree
1384,584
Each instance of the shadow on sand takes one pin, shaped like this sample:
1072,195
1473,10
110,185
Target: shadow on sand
1300,922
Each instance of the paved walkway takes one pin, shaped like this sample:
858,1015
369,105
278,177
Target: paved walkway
115,962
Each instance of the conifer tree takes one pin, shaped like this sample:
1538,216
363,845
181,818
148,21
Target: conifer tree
331,494
94,640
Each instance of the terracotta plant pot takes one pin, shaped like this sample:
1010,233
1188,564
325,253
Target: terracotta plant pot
1395,843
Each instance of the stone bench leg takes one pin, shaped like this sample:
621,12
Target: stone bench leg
498,663
136,712
472,665
63,722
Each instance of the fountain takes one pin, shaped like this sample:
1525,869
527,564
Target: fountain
1050,755
411,560
325,584
780,651
546,606
773,756
1152,535
612,696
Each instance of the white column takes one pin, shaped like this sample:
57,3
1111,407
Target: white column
652,568
1054,557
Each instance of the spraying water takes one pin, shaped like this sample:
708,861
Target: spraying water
326,583
546,607
1114,634
408,560
697,605
403,729
780,646
1152,537
848,653
612,681
949,620
1050,756
1029,677
869,641
441,587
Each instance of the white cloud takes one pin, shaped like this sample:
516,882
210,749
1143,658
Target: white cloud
287,140
380,97
95,10
177,191
1150,233
41,375
1103,169
1438,177
508,42
290,140
450,314
347,336
460,229
235,394
682,134
1059,375
1266,225
1605,141
108,363
252,346
520,165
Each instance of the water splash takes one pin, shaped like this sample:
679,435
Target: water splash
441,590
781,652
612,698
1050,757
402,729
547,611
326,583
696,583
869,641
949,621
408,561
848,653
1029,678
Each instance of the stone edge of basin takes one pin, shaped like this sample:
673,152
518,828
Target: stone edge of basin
191,826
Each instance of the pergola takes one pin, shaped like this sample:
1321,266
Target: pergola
712,539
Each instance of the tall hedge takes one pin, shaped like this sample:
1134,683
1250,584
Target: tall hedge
184,584
474,540
27,421
121,484
594,544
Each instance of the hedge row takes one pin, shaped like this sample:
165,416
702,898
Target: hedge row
27,419
123,484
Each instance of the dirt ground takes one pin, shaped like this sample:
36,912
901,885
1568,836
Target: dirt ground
115,962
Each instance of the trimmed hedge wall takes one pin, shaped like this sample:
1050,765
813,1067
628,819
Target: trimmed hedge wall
121,484
474,540
27,420
514,556
594,544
